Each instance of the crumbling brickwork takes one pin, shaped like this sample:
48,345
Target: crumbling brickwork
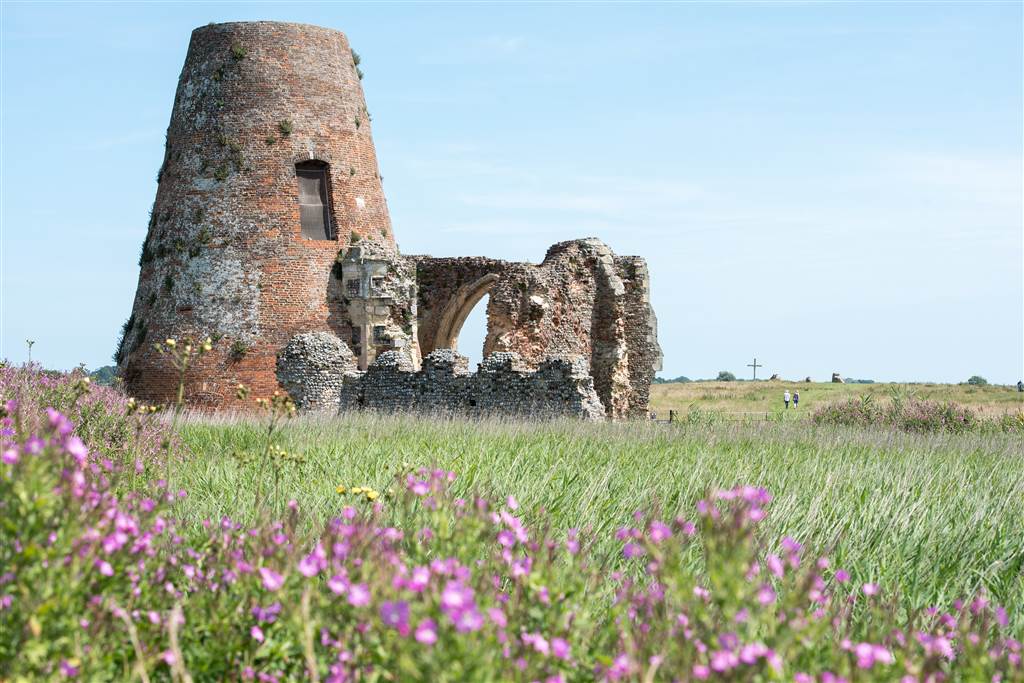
270,222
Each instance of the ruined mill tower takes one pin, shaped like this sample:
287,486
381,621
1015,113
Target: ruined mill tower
270,225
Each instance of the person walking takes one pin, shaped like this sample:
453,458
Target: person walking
785,398
796,398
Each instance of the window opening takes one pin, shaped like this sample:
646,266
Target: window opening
314,202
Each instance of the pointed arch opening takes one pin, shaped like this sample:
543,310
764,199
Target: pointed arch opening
458,310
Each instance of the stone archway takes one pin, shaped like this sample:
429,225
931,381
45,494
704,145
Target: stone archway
458,309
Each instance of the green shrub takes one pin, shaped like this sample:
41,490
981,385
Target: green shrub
122,337
977,381
239,350
909,415
725,376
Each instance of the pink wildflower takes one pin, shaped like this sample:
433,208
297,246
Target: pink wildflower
426,632
272,581
659,531
632,550
359,595
395,615
497,617
338,585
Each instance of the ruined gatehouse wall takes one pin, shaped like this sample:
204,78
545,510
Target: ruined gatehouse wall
580,301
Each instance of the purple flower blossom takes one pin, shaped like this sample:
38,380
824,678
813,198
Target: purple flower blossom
468,620
267,614
312,564
395,615
659,531
359,595
426,632
272,581
456,597
631,550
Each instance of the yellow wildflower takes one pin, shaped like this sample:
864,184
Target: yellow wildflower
340,488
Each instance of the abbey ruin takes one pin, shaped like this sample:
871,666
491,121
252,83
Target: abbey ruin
270,234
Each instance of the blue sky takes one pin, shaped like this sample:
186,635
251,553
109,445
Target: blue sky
827,186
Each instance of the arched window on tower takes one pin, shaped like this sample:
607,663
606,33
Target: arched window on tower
315,200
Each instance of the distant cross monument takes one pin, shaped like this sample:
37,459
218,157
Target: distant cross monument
754,365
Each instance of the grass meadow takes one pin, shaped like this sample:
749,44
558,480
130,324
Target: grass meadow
162,545
757,398
933,516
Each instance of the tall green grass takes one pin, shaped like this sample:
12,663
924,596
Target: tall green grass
933,516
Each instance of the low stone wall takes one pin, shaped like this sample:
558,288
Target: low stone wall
502,387
319,372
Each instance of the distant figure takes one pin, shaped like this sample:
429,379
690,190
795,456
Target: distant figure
796,398
1020,385
785,398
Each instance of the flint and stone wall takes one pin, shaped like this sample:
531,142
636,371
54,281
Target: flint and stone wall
502,386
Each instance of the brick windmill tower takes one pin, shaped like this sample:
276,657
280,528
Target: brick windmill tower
269,173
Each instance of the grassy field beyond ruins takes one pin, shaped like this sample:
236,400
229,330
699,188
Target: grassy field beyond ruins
932,516
733,399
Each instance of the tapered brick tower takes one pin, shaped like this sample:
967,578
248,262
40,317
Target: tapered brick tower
269,172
